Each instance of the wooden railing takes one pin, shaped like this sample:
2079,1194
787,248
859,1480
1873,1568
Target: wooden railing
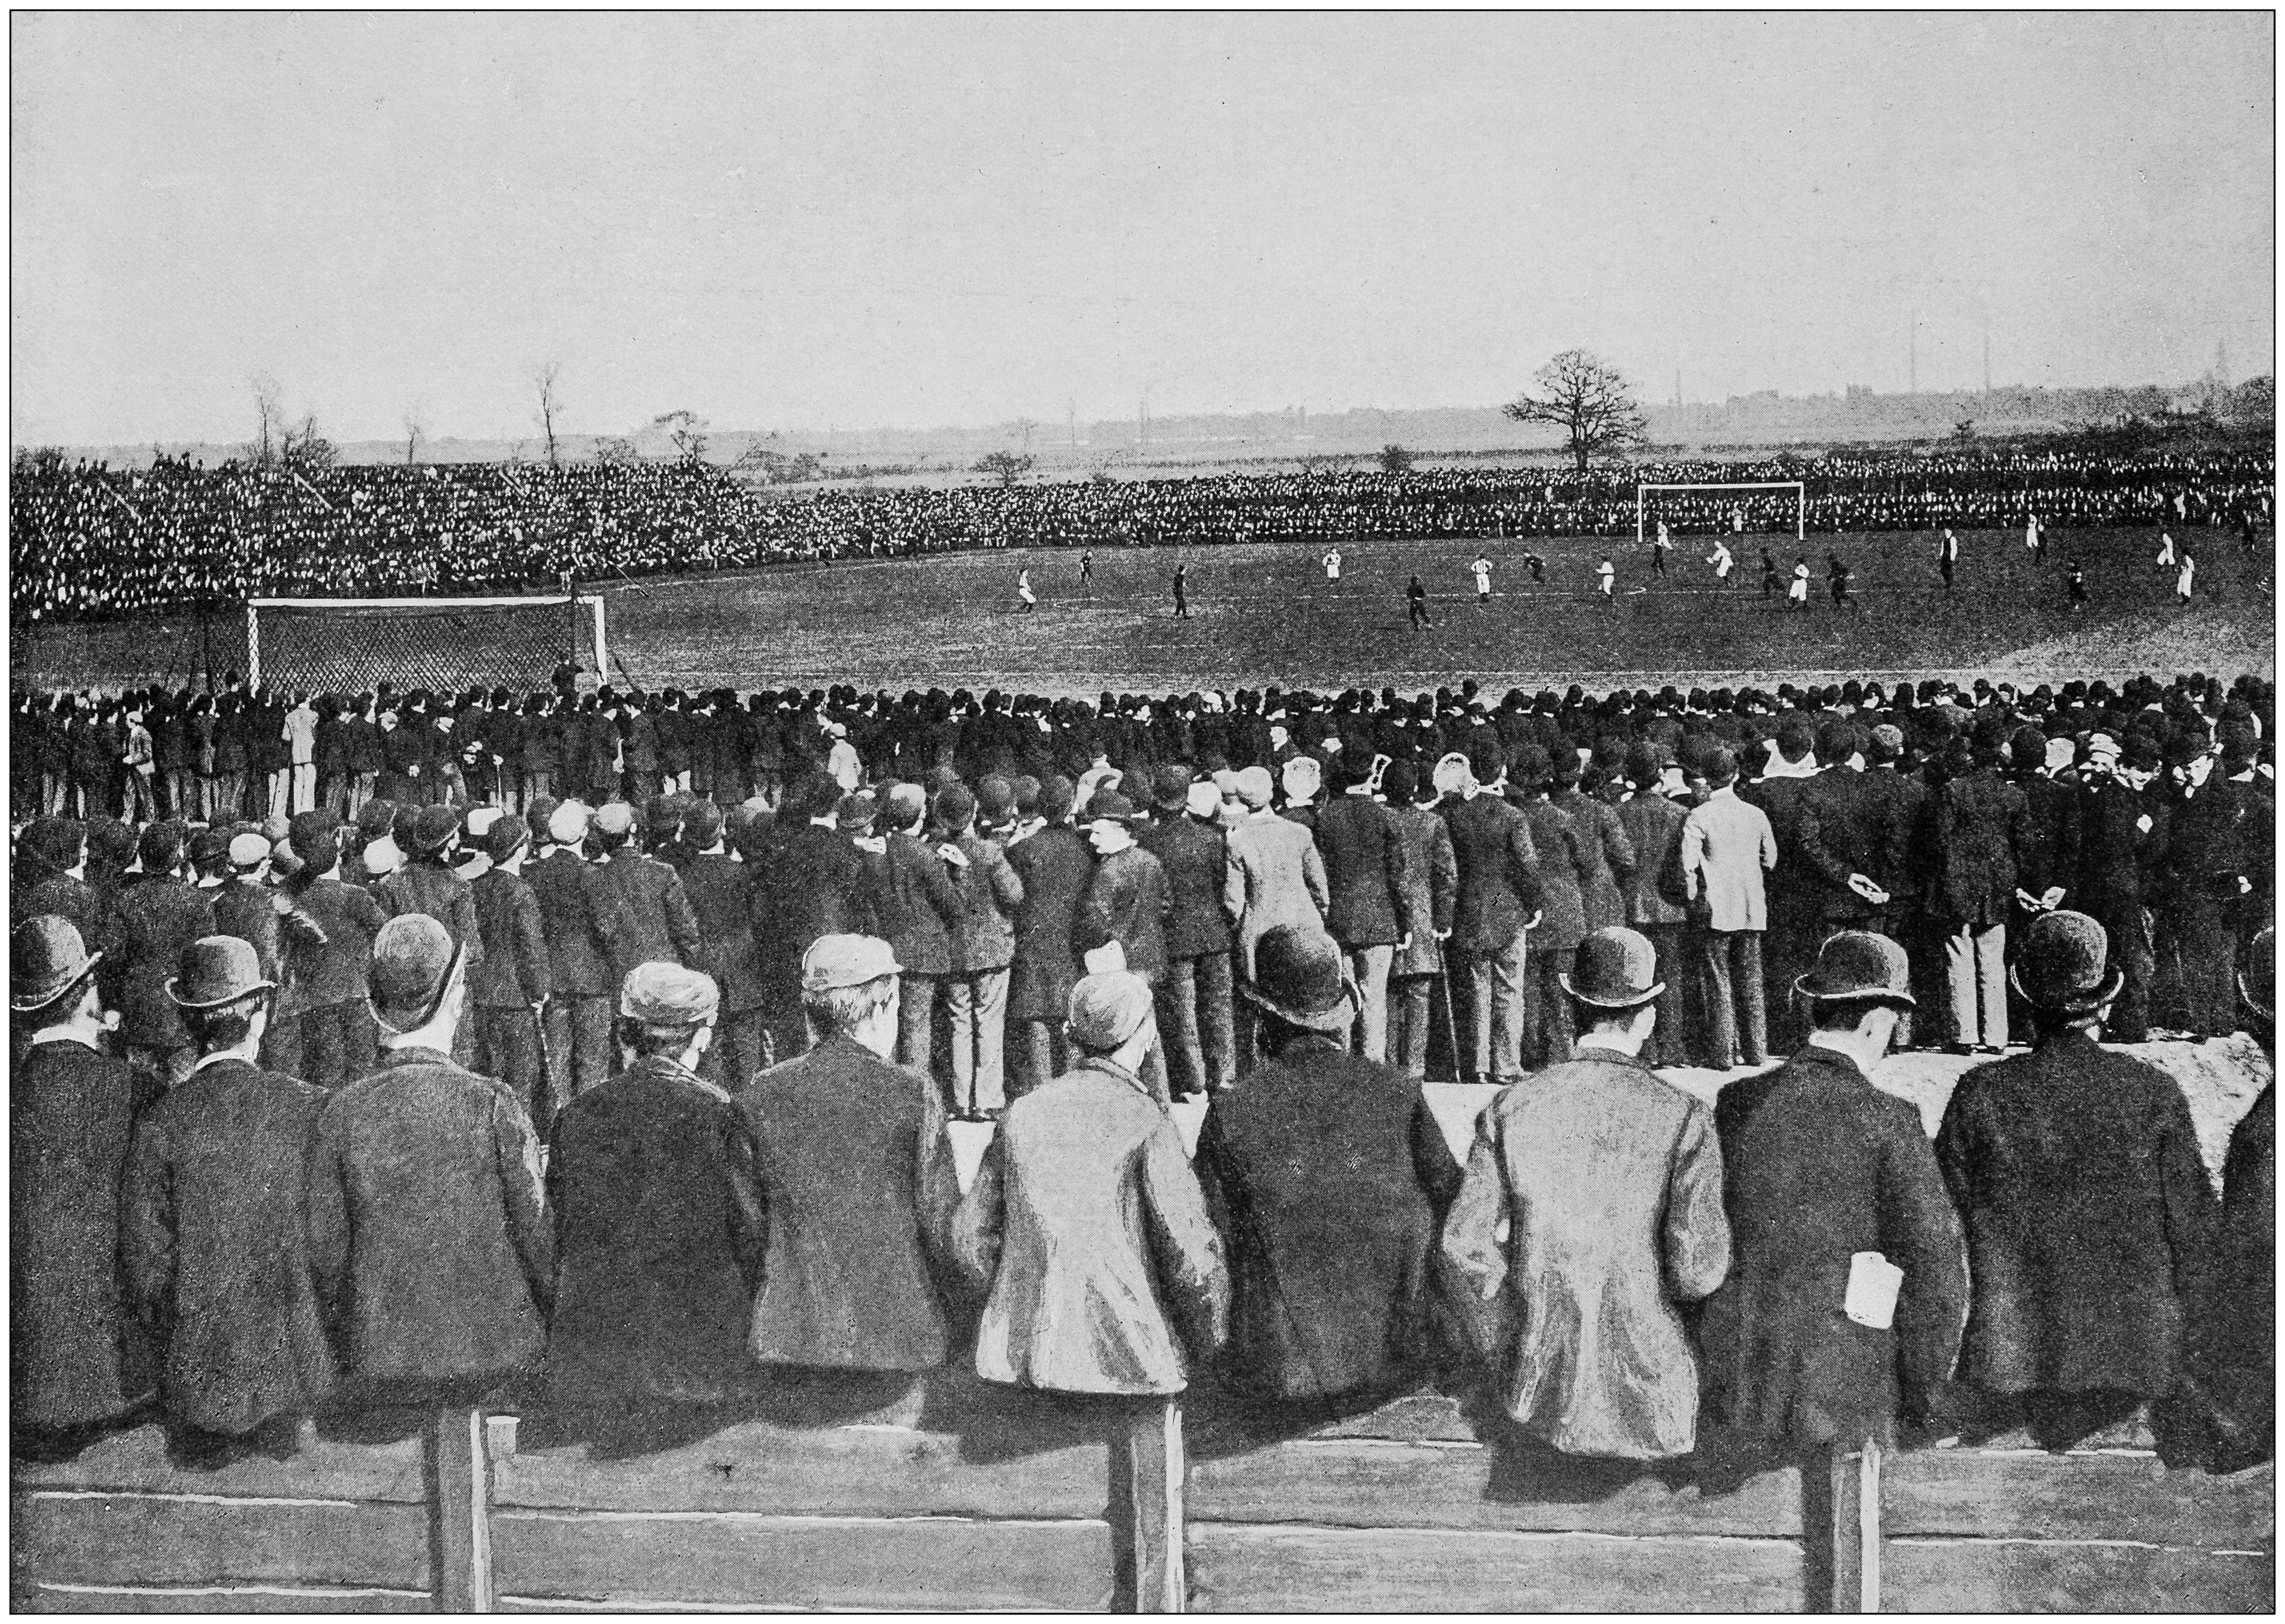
964,1496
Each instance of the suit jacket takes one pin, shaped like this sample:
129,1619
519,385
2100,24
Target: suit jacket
514,972
1610,1182
284,945
643,911
990,894
1608,853
1842,833
2241,1336
2048,855
1901,802
1364,871
429,1236
351,918
157,917
1056,868
1727,848
579,965
817,885
1195,855
425,887
1327,1178
1820,1165
1981,821
1565,867
1126,902
1653,826
1088,1229
2090,1222
1793,895
919,906
721,890
1275,876
2119,857
660,1231
214,1249
1432,884
1498,866
75,1354
857,1172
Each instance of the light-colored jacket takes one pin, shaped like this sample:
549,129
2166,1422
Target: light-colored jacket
1104,1271
1727,847
1610,1182
1275,877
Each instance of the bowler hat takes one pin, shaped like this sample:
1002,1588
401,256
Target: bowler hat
955,807
2257,982
662,994
46,959
1617,970
433,829
854,814
1109,806
1170,787
1858,967
216,970
1300,976
505,838
414,957
2064,965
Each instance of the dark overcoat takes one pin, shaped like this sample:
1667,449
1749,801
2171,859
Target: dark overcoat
1195,855
158,916
2241,1335
918,906
514,972
1608,856
1328,1178
215,1250
578,966
660,1232
1364,871
1126,902
1841,833
1981,820
1055,865
721,892
1818,1165
1499,874
643,912
1563,872
1432,878
2090,1222
426,886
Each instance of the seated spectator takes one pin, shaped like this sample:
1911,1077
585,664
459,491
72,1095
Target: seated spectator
1609,1180
660,1227
1087,1227
857,1175
1327,1178
2090,1227
213,1244
1819,1166
429,1228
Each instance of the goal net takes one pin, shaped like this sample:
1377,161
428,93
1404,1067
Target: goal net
349,645
1745,507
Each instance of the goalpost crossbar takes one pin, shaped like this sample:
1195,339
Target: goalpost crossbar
1799,487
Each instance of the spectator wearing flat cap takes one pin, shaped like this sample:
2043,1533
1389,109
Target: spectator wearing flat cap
1819,1165
638,901
2090,1222
428,884
1327,1178
155,919
78,1362
1196,1020
661,1228
286,941
429,1235
721,889
577,1020
1728,849
1056,865
919,910
212,1240
1794,923
857,1175
1087,1228
510,983
975,995
1609,1180
2123,837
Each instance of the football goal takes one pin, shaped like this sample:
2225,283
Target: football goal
349,645
1729,519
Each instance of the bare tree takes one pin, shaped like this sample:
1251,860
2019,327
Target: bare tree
415,432
1586,397
686,430
305,450
270,418
617,449
551,403
1006,466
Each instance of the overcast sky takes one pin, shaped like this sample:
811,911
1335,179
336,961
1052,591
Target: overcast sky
851,221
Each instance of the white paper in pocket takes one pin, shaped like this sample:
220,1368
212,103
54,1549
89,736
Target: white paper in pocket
1101,960
1873,1282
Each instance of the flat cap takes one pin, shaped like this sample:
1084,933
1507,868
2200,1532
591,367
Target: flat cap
615,819
1107,1008
846,961
567,825
662,993
248,850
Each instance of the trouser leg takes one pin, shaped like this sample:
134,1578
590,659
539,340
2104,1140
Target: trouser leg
282,1046
1991,982
989,996
1480,978
589,1043
1369,966
1753,1013
916,1024
1960,980
960,1014
1409,1000
1666,1045
1178,1027
507,1048
1216,976
1507,1008
1720,1047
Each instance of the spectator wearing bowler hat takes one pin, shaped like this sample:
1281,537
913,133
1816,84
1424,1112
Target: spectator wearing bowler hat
918,909
429,1233
337,1035
721,890
1056,865
1327,1178
1567,870
1085,1227
212,1243
1609,1180
78,1362
1431,884
1363,856
2125,837
659,1225
2090,1222
858,1176
510,983
1495,905
1728,851
1126,905
1819,1165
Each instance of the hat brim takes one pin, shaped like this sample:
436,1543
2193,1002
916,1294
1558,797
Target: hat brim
436,999
1338,1018
246,992
1859,995
1598,1000
2078,1003
23,1006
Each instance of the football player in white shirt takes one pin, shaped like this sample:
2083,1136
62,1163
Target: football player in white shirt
1483,569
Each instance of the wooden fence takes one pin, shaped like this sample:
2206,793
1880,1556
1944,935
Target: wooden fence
964,1497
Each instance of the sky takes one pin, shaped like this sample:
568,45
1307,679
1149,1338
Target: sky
903,221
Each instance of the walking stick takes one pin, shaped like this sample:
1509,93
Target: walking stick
1451,1026
555,1101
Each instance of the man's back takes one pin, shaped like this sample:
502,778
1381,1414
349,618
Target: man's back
1497,869
158,917
1653,826
1194,857
578,965
1364,871
644,911
1728,843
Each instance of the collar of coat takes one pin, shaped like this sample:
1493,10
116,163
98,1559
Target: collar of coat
1110,1068
1817,1054
671,1071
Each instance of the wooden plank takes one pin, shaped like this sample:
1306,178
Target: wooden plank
1965,1576
1265,1568
2033,1494
1346,1482
64,1536
321,1469
633,1558
834,1470
1146,1499
459,1527
219,1598
1847,1535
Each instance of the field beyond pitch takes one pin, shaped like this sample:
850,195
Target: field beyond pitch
1265,612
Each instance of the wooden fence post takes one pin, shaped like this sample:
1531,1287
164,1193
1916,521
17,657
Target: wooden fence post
459,1510
1146,1506
1847,1529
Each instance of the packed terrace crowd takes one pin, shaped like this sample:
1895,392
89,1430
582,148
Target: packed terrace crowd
88,540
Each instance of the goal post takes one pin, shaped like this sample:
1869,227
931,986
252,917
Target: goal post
1799,493
349,645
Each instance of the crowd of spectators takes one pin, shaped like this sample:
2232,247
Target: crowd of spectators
88,540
